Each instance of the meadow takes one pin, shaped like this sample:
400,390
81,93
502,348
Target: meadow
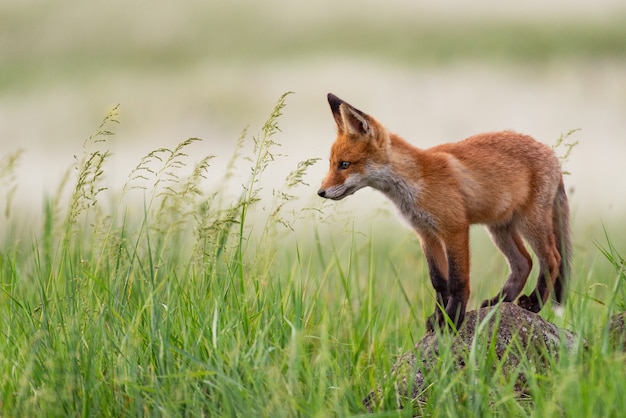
182,287
172,298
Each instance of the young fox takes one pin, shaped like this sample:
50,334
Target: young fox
504,180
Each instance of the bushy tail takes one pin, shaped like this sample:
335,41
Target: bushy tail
560,222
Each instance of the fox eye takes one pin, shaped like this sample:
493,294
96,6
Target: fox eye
344,165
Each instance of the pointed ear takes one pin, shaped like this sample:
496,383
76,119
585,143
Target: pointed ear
349,119
354,121
335,103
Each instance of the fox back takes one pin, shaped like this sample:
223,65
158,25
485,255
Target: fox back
504,180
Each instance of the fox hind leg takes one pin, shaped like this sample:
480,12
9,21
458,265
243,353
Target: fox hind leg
509,242
541,238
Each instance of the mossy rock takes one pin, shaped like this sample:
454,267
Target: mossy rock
510,334
617,331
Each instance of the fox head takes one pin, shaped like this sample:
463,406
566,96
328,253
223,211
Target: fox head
358,154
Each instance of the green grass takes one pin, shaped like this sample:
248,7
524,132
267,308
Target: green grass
205,304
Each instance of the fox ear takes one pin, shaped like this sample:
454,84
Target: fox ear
355,122
349,119
335,104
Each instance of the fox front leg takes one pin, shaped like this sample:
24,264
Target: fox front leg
438,272
457,288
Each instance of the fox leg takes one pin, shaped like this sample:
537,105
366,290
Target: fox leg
438,272
457,252
509,242
541,238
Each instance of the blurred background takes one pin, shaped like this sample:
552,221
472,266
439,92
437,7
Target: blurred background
431,71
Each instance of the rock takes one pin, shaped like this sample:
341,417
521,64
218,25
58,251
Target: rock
534,339
617,331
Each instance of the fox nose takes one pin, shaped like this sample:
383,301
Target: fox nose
321,193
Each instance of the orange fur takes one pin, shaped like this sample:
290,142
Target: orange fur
504,180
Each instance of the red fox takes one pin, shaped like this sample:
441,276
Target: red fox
505,180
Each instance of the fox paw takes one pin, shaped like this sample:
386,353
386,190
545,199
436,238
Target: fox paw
530,303
438,321
435,321
490,302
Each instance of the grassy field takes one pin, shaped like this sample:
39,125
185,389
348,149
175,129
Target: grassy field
201,303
